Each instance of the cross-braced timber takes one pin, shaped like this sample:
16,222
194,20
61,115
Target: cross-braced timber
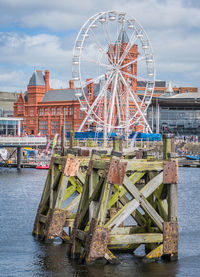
107,191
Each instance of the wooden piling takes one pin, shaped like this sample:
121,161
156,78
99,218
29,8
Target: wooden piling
110,189
19,157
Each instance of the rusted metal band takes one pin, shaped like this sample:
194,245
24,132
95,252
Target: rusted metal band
96,242
55,223
170,172
70,166
117,171
170,238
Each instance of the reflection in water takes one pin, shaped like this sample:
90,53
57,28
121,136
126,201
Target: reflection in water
51,260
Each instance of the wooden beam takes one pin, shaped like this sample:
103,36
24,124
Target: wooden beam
155,253
141,166
135,238
59,199
126,230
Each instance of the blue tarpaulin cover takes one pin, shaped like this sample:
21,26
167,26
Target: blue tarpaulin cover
93,135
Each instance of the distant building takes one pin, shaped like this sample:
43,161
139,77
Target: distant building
46,110
176,113
10,126
7,99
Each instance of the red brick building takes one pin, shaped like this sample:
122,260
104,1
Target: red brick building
46,110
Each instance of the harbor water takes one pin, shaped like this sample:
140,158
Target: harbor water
21,255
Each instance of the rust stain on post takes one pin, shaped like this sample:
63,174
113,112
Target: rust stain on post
117,172
170,238
170,172
70,166
96,242
55,223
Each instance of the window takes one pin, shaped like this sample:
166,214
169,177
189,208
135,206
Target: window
65,110
43,127
31,112
32,121
75,112
55,127
76,126
58,111
129,67
41,112
46,111
70,111
53,111
68,126
20,108
81,114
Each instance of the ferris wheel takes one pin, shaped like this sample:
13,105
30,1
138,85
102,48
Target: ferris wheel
113,50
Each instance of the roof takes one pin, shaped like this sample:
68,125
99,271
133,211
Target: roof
26,96
178,100
158,84
123,37
37,79
59,95
190,95
64,94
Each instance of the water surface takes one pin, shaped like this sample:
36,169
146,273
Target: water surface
22,255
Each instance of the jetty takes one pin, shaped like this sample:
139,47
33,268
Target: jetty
101,203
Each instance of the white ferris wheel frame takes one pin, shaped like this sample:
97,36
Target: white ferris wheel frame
114,74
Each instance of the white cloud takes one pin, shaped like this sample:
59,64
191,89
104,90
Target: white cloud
12,81
40,50
172,26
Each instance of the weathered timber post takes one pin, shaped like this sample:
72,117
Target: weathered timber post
51,216
118,144
71,140
168,145
170,179
63,141
19,156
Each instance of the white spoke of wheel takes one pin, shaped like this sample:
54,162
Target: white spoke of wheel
101,49
96,100
103,91
134,77
142,115
133,61
113,101
117,50
108,39
128,47
93,80
96,62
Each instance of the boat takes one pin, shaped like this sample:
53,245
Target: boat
194,158
42,166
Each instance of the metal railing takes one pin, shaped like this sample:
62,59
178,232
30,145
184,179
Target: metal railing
9,141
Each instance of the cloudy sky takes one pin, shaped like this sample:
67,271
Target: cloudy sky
37,34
